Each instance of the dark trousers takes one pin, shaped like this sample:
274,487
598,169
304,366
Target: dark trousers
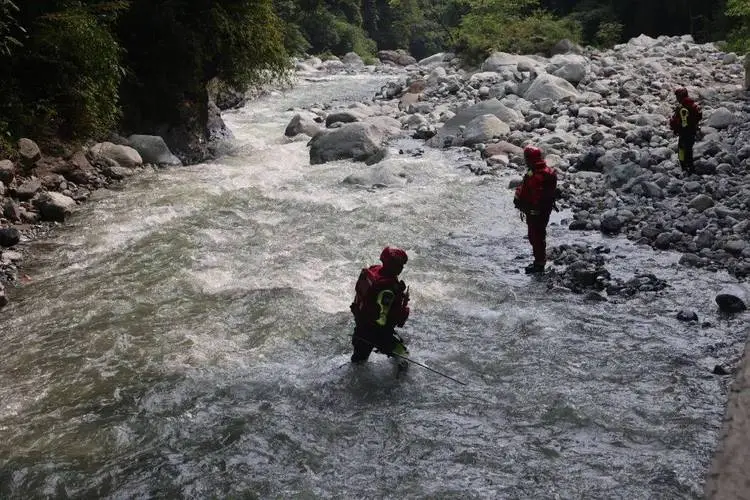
537,225
365,339
685,152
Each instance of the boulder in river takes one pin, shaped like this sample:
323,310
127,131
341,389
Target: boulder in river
733,299
54,206
154,150
358,141
302,123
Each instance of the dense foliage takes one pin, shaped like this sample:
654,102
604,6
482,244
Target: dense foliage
739,12
74,68
82,68
511,26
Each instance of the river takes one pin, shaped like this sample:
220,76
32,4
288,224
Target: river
188,337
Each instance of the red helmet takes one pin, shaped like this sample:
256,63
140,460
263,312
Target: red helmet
532,154
681,93
393,258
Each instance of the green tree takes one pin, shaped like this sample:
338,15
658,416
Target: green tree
65,81
738,12
512,26
326,26
8,27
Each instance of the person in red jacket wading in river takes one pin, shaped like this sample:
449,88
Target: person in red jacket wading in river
684,123
380,305
535,198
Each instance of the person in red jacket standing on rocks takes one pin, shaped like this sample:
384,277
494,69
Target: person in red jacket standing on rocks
535,198
684,124
380,305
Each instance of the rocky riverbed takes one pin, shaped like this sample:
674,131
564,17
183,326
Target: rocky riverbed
601,119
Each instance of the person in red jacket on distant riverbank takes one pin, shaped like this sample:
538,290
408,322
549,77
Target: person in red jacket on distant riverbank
535,198
380,305
684,124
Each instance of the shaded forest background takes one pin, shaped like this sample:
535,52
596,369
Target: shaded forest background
80,69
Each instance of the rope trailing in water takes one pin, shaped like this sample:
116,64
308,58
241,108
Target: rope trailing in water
412,361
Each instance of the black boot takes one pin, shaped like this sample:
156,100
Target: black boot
534,268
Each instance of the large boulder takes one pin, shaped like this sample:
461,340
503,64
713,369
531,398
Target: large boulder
399,57
733,299
546,86
570,67
701,202
123,156
387,126
451,130
29,152
642,41
54,206
28,189
9,236
484,128
343,117
302,123
80,170
333,65
153,149
620,174
7,171
499,61
358,141
721,118
352,59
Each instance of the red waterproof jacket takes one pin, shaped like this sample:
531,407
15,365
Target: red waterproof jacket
686,118
536,194
380,299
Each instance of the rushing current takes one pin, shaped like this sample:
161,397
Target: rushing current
188,337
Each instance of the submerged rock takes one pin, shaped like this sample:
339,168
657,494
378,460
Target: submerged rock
389,173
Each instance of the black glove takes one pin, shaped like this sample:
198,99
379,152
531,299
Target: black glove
405,291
